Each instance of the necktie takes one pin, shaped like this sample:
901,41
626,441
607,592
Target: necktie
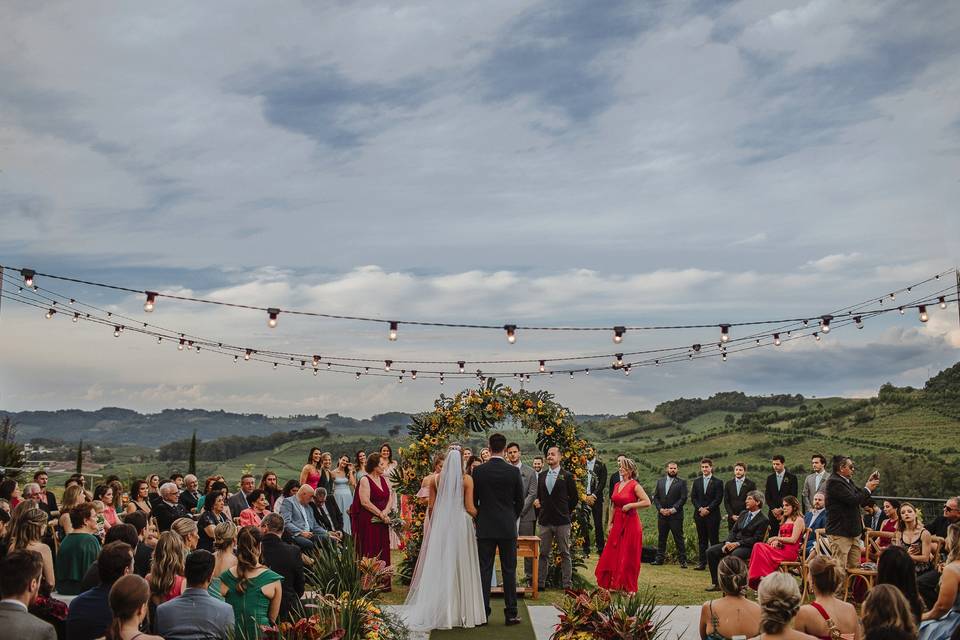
816,486
666,484
779,482
551,479
739,486
706,482
747,520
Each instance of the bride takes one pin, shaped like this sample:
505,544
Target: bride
445,591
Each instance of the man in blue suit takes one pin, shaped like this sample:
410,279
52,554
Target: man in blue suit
195,614
299,521
815,519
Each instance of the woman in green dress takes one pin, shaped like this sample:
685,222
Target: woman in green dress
251,588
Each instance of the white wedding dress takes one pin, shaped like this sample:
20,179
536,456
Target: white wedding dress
445,591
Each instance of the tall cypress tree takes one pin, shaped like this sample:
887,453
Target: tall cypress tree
80,457
192,463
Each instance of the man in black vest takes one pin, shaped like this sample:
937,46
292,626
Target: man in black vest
844,503
596,487
706,496
556,497
735,493
780,484
498,496
285,559
749,530
669,498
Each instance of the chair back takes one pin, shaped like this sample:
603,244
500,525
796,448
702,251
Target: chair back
872,544
821,542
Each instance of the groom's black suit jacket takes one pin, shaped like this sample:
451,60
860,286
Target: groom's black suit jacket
498,496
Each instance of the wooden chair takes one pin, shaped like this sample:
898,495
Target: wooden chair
821,544
873,548
799,566
868,576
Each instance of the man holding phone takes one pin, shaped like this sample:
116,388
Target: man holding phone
844,502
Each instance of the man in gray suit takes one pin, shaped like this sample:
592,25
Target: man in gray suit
195,614
299,522
238,501
528,517
20,574
814,483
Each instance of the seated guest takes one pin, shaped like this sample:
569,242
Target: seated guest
815,519
326,511
888,632
224,540
268,484
195,615
123,532
784,547
213,514
895,568
731,615
27,525
21,572
188,531
749,529
48,501
168,507
189,496
143,552
827,612
129,600
872,516
299,521
285,559
927,581
914,537
891,520
943,618
779,599
78,550
240,501
10,491
885,606
252,589
90,613
253,514
166,570
104,493
290,488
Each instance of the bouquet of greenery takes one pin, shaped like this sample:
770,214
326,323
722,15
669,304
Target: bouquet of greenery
394,521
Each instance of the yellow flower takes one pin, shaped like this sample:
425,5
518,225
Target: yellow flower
530,412
539,404
548,431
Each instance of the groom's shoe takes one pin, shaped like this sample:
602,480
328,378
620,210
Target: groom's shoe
512,621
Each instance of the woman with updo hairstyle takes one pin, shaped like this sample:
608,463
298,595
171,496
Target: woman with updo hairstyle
779,598
129,597
731,614
619,566
250,588
224,540
827,617
372,501
186,528
885,606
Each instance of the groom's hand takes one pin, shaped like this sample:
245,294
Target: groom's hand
536,503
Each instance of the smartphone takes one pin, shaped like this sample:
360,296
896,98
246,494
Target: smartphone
875,474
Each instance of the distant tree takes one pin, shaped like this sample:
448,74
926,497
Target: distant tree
394,431
192,461
729,419
11,452
80,457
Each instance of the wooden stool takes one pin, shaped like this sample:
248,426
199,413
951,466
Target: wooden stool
527,547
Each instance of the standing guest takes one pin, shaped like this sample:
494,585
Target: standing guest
556,498
90,614
139,497
872,516
484,455
537,464
619,566
468,453
595,486
912,536
300,522
48,501
844,501
359,465
27,525
129,602
268,484
188,531
10,491
614,478
943,618
430,482
344,485
326,471
386,453
168,507
706,496
310,474
669,498
166,569
780,484
527,523
890,523
289,488
104,493
372,500
815,519
189,495
123,532
895,568
212,515
195,615
472,463
21,573
327,512
927,582
72,496
885,606
812,483
238,501
766,557
748,531
732,614
253,514
735,493
779,599
285,559
224,544
827,615
78,550
251,588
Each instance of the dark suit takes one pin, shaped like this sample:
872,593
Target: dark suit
498,496
736,502
597,483
614,479
674,499
556,517
332,520
189,501
284,558
166,514
746,534
774,495
844,503
50,505
708,527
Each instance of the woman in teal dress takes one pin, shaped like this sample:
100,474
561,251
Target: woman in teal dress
251,588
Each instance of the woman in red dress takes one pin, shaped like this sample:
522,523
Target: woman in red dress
310,474
785,547
619,565
371,500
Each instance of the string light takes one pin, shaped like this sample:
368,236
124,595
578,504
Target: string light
358,375
275,365
857,320
626,370
236,359
180,346
816,336
50,313
724,356
543,366
461,364
28,275
724,333
413,374
825,323
272,314
943,302
151,301
696,348
316,371
400,379
511,330
116,332
394,325
900,309
923,313
387,364
441,378
776,339
247,354
571,375
619,361
618,332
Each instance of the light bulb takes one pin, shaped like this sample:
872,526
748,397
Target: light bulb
358,375
329,364
116,332
413,374
275,365
724,333
198,348
696,348
236,359
151,301
923,313
543,366
858,321
28,275
893,296
825,323
393,331
386,365
272,314
441,378
586,372
776,339
619,362
461,364
400,380
816,335
571,375
618,332
50,313
724,356
316,371
76,317
511,330
900,309
943,302
626,370
656,362
247,354
180,346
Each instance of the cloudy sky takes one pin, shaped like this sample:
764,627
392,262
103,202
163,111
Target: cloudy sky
574,163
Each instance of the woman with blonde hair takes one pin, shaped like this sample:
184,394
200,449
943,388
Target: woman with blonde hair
940,622
827,617
27,524
252,589
731,614
779,599
129,601
72,496
224,541
166,568
914,537
619,566
885,606
186,528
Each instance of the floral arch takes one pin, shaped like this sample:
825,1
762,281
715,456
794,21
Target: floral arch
478,411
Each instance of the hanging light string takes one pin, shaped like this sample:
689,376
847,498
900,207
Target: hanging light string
511,329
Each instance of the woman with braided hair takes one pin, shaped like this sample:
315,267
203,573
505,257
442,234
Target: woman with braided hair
779,603
732,614
251,588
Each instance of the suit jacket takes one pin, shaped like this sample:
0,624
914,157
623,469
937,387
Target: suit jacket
673,499
813,524
498,496
189,501
737,502
335,521
51,503
166,514
752,533
90,613
810,489
711,498
284,558
194,614
844,503
614,479
528,513
293,518
598,481
237,503
789,487
556,508
17,623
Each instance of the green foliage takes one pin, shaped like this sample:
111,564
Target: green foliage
609,616
11,451
80,457
192,460
234,446
684,409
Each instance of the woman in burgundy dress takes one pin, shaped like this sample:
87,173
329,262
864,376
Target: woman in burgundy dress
619,565
765,558
372,500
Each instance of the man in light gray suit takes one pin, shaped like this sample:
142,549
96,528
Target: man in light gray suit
527,524
20,574
195,614
814,483
299,522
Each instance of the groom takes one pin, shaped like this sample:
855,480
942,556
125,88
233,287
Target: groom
498,496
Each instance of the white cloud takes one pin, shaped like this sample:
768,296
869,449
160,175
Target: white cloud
834,261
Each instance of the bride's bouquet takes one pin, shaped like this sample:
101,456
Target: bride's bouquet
396,523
